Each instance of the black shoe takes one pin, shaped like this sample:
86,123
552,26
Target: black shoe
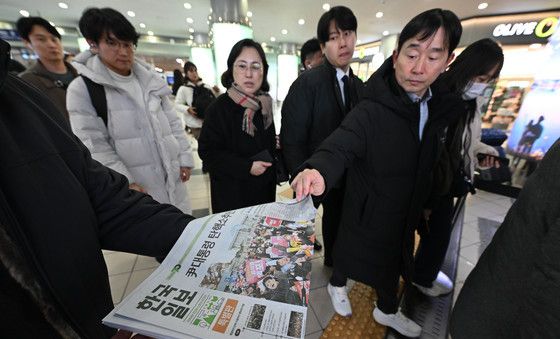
317,245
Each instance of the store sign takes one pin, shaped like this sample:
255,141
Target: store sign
540,29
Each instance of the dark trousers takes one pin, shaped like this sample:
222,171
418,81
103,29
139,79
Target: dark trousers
433,243
332,213
387,300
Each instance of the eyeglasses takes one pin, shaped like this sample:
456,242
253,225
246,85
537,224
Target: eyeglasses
243,67
116,45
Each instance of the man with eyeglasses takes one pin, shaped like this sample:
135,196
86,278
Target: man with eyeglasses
130,126
316,104
51,74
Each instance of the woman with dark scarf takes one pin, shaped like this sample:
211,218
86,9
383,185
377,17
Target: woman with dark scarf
469,75
237,140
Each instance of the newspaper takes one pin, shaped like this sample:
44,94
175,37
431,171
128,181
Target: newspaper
243,273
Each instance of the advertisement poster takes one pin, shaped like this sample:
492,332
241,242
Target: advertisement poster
538,125
243,273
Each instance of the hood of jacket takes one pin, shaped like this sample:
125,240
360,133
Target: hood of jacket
91,66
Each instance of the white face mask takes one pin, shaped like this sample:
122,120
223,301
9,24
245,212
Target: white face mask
473,90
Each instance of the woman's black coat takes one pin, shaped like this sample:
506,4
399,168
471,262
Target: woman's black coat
226,153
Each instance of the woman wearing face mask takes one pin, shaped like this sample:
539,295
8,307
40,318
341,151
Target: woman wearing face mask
477,66
237,140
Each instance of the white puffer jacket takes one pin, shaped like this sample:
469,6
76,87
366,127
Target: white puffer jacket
144,138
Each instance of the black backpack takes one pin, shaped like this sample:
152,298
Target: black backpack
202,98
98,98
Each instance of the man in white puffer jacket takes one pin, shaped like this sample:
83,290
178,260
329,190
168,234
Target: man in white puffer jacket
144,138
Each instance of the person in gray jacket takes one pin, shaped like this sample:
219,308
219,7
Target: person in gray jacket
143,138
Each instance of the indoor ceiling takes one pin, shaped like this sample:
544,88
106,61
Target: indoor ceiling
269,17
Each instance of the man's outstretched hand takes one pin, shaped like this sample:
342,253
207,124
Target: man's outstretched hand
309,181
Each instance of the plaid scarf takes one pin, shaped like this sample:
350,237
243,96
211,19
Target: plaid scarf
252,104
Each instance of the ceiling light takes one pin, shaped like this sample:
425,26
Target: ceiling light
326,7
263,44
207,22
150,33
385,33
191,30
358,42
284,31
249,14
482,5
180,61
191,37
172,41
142,25
379,15
187,5
301,22
131,14
272,39
63,5
24,13
190,20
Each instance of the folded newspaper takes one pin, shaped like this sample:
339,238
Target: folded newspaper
243,273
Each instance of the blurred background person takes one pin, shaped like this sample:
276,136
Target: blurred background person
178,80
142,137
51,74
237,140
468,76
192,99
311,54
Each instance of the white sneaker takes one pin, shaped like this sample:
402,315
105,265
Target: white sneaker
442,285
399,322
339,299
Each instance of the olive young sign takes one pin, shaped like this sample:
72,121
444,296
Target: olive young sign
511,29
540,29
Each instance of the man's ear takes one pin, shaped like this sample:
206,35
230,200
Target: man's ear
92,46
451,58
322,47
28,44
395,56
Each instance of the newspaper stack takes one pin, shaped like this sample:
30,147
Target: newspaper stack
242,273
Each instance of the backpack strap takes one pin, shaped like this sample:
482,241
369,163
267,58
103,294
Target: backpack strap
98,98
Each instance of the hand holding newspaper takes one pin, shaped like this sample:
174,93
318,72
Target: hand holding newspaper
243,273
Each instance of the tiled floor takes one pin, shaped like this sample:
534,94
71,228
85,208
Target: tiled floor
484,213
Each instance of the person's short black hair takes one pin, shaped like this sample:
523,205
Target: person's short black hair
478,58
309,48
343,18
188,66
97,21
427,23
227,76
24,26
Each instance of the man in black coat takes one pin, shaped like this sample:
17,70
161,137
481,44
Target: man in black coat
58,209
389,144
317,103
514,289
